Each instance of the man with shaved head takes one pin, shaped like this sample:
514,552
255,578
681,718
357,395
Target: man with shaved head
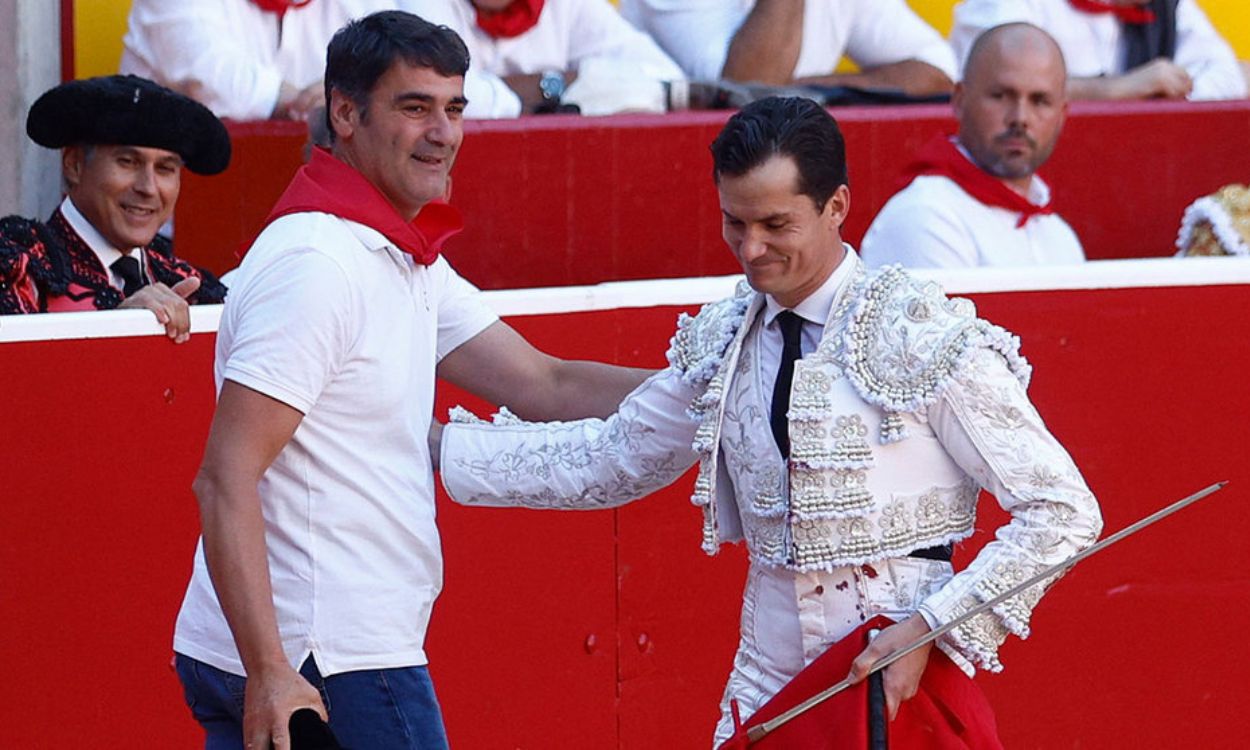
975,199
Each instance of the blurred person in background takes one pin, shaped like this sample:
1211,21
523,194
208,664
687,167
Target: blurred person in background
534,56
243,59
1217,224
1120,49
800,42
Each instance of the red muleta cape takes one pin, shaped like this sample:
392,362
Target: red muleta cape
949,712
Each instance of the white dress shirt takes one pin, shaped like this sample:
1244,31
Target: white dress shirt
587,36
1093,45
813,310
230,55
697,34
103,249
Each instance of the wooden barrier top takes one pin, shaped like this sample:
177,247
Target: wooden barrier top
1118,274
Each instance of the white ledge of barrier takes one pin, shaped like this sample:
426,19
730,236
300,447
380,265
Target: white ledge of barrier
1106,274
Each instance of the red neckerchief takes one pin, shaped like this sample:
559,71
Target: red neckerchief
941,157
1126,13
327,185
280,6
517,18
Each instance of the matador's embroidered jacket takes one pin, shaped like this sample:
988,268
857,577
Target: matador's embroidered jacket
49,268
908,407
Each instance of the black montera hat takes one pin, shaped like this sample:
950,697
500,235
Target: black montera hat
131,111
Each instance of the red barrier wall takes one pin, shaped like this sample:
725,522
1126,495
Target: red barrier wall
566,200
612,629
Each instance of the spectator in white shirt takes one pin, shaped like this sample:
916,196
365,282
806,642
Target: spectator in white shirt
536,55
1120,49
782,42
243,59
975,200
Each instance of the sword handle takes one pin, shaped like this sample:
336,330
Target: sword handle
878,721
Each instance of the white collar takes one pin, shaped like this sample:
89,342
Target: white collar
815,307
375,241
103,249
371,238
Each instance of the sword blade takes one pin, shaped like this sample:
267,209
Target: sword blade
760,730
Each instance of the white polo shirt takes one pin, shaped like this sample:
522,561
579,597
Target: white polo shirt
325,315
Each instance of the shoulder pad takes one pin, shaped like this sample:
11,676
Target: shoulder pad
699,344
161,244
906,339
24,245
19,233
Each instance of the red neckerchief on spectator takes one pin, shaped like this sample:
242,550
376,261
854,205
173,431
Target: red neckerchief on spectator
327,185
941,157
515,19
280,6
1126,13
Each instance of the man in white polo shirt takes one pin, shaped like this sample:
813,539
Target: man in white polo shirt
975,200
320,560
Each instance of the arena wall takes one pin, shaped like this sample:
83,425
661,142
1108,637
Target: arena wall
611,629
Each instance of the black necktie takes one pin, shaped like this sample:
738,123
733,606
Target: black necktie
791,350
132,276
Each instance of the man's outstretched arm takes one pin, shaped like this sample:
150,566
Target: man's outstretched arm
249,430
583,464
500,366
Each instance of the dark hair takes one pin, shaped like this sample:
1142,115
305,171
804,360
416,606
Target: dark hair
362,51
786,126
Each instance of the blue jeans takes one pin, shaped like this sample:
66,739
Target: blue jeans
376,709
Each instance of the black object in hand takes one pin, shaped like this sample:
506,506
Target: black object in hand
309,732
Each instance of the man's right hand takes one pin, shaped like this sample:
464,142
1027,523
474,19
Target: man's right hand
169,305
269,701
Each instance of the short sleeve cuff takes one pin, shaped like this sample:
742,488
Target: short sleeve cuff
448,342
269,387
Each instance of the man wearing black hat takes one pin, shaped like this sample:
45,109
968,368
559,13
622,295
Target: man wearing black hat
124,143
